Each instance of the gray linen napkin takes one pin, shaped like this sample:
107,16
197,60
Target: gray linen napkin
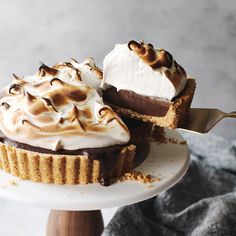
202,203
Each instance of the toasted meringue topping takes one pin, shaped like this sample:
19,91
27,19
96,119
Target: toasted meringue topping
155,58
16,89
142,69
90,73
56,109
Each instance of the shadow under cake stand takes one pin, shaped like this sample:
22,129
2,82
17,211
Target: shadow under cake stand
77,207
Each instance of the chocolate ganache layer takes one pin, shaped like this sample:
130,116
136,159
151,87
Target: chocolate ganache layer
136,102
146,105
91,152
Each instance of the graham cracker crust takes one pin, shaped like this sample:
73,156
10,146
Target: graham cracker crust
60,169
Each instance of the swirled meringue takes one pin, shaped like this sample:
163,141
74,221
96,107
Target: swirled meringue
56,109
140,68
89,72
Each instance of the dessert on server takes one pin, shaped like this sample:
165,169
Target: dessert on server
145,83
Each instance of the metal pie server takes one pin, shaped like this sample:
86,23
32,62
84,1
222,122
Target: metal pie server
202,120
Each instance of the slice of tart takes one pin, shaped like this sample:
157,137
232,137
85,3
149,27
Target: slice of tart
145,83
56,129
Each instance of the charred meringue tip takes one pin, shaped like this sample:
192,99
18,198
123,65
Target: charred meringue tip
74,60
47,69
56,80
16,77
156,58
17,88
49,103
133,45
5,105
30,97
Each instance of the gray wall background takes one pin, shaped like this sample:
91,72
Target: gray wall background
200,34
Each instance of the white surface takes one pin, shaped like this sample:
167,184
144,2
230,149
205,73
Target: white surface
168,161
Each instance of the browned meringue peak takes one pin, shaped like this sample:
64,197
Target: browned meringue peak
5,105
16,88
158,58
17,79
44,69
107,115
91,64
155,58
55,70
89,72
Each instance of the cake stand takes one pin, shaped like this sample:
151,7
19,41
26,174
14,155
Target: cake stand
76,207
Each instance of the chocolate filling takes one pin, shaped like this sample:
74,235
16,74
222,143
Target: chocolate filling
142,151
136,102
139,130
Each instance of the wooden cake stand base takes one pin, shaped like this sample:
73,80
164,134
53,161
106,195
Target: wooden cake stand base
75,223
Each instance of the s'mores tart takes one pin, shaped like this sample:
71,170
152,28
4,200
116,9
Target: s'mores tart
56,129
145,83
